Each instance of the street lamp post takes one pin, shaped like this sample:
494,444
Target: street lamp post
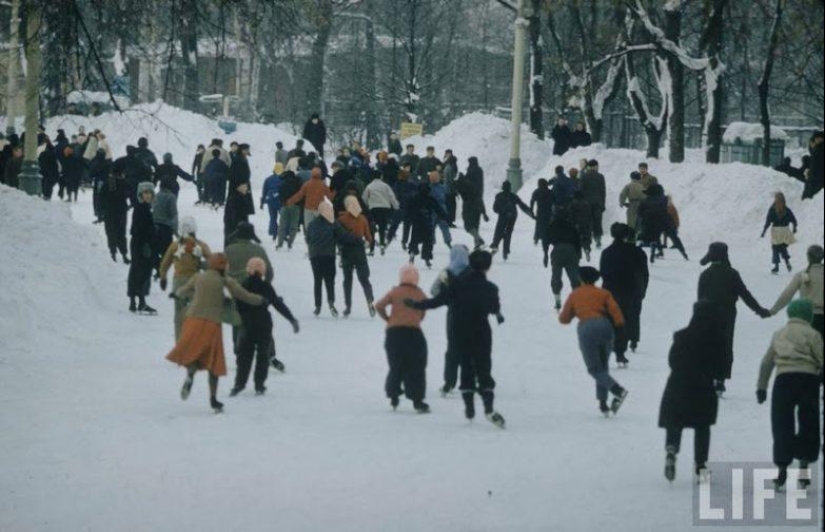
14,58
514,172
30,173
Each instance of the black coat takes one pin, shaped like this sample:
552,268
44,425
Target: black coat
594,188
562,136
114,200
655,218
580,139
171,172
427,165
696,359
473,299
100,168
508,204
238,209
542,204
562,231
143,228
624,271
420,212
72,172
390,172
147,156
316,134
49,168
815,181
256,318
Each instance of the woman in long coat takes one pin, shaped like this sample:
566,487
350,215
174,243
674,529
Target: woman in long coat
690,400
201,341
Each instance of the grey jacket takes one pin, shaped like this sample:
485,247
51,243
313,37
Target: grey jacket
379,195
809,284
165,209
238,254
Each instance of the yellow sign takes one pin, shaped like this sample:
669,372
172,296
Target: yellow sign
408,129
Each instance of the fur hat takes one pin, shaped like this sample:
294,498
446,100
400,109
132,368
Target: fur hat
589,275
327,212
801,309
256,266
218,262
187,226
353,206
245,231
410,275
146,186
717,252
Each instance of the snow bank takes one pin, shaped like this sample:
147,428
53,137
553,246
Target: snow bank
173,130
747,132
716,201
56,275
488,138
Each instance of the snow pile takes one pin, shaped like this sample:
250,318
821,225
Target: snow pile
488,138
173,130
726,202
88,97
749,133
56,275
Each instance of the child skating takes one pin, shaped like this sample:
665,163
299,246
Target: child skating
598,315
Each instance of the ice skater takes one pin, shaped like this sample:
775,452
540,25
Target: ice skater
459,264
809,285
598,315
779,220
507,205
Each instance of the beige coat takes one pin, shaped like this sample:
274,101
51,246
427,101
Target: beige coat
633,194
796,348
809,284
206,292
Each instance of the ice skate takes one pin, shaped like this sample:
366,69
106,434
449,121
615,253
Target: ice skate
421,407
317,312
146,310
347,312
804,480
618,401
371,309
775,269
132,307
394,403
277,365
703,474
496,419
445,390
216,405
260,390
187,386
780,480
720,388
235,391
634,346
788,265
604,408
622,361
333,311
670,464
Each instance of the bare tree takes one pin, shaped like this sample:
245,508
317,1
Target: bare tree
764,84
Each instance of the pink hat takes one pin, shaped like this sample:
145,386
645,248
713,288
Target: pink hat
410,275
256,266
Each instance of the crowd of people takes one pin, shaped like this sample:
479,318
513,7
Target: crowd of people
363,200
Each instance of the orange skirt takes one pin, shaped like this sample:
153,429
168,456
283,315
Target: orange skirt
200,343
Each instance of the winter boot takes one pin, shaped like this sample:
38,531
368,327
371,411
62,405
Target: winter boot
187,385
132,307
558,302
804,481
421,407
496,419
781,479
394,403
604,408
317,312
216,405
720,388
333,310
371,308
277,364
670,463
260,390
622,360
469,405
702,474
235,391
775,269
621,395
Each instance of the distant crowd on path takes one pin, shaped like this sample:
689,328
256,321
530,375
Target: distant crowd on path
361,202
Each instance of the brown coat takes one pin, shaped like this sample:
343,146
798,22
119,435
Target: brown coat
359,227
590,302
312,193
674,214
206,292
186,264
402,316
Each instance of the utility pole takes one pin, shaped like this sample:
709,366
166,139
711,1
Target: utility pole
30,173
14,59
514,172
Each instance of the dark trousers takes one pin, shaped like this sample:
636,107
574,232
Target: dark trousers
596,214
451,361
164,235
631,308
323,272
795,398
98,209
273,221
564,258
115,224
452,208
255,345
701,442
780,252
476,365
397,219
504,231
381,218
361,268
407,357
140,271
423,241
819,324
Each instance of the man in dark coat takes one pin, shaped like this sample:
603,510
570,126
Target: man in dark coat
420,212
315,131
133,170
473,299
49,169
814,182
145,154
721,285
114,207
100,168
594,188
696,359
410,158
13,167
507,205
580,138
428,163
567,252
170,172
626,276
562,137
542,204
394,145
470,187
143,236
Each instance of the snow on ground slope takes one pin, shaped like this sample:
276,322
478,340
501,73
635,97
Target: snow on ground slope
95,437
488,138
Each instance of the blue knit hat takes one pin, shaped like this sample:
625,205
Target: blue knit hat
801,309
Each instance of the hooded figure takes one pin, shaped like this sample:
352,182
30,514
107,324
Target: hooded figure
689,400
405,344
721,285
459,264
141,247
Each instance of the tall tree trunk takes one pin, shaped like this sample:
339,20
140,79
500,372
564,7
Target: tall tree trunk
13,60
323,30
653,127
536,72
711,43
676,133
372,128
764,86
189,54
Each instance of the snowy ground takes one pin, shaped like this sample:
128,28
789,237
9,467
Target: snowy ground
95,436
